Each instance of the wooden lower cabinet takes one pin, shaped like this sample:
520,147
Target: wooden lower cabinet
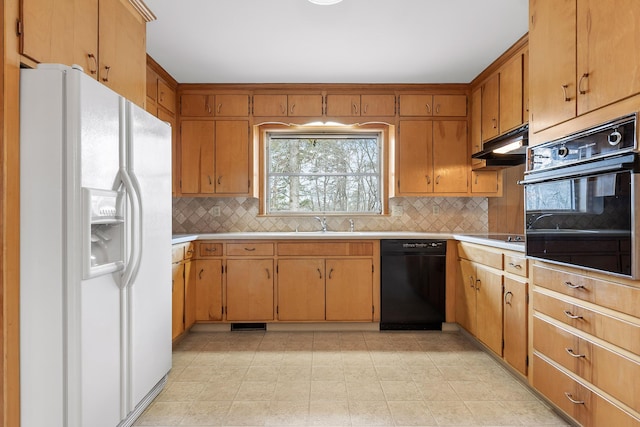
515,350
301,289
489,308
249,289
349,289
177,300
189,294
208,289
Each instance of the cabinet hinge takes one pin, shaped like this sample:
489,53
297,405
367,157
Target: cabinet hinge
503,344
277,309
222,269
277,271
526,360
373,309
18,27
372,268
526,299
222,309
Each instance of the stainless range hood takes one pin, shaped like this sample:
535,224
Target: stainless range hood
506,150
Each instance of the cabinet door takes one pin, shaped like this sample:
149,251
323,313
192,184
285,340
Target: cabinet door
608,58
552,47
490,107
343,105
305,105
416,105
301,289
349,289
450,167
232,105
208,289
196,105
270,105
196,157
122,47
189,294
515,324
166,96
466,296
489,308
450,105
484,181
415,165
250,289
64,31
232,157
378,105
177,300
511,95
476,126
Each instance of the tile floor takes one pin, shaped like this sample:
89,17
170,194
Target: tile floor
340,379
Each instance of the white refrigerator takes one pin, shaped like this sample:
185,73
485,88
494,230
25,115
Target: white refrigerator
95,249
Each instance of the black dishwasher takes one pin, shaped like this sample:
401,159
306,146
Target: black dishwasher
412,284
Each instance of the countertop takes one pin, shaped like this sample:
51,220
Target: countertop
495,240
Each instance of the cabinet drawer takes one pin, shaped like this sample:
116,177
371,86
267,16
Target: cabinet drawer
516,264
610,371
623,298
206,250
311,248
249,249
616,331
480,255
166,97
588,408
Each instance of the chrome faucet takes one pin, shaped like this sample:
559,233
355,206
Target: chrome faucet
323,223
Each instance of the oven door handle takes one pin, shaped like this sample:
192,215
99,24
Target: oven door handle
615,164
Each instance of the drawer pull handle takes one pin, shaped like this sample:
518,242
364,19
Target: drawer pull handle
518,266
508,296
330,273
570,315
200,273
573,353
572,286
582,91
478,284
249,249
210,249
320,273
572,400
471,284
268,274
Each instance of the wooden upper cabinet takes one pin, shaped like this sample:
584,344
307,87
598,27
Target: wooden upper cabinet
343,105
198,105
64,32
196,154
608,66
166,96
450,156
232,105
476,126
414,162
416,105
269,105
232,157
122,61
450,105
552,47
377,105
304,105
360,105
511,94
490,107
152,85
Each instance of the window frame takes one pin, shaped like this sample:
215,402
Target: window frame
382,132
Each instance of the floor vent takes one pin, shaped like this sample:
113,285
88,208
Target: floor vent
248,327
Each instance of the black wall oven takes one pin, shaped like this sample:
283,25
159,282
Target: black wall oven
581,203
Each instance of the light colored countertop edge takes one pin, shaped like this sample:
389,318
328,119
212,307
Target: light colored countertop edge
338,235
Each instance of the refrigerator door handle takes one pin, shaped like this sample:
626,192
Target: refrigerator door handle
128,275
137,233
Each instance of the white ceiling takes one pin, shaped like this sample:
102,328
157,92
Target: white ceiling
355,41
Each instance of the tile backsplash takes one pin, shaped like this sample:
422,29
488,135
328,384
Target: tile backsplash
422,214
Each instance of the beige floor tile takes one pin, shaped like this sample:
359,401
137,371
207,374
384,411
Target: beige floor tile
220,390
393,373
262,373
492,414
364,390
451,413
473,390
329,413
256,390
207,413
288,413
370,413
327,373
425,375
181,391
400,390
293,390
355,373
327,358
164,414
267,358
297,358
328,390
411,413
196,373
437,391
228,373
295,373
534,413
209,358
357,357
247,413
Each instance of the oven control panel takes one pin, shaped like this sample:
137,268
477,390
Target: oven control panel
616,137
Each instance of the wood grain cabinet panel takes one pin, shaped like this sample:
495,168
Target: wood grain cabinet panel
377,105
166,96
177,300
491,107
208,289
232,157
343,105
511,94
515,324
414,156
485,181
304,105
250,289
231,105
450,167
301,289
196,105
349,289
450,105
270,105
197,140
415,105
